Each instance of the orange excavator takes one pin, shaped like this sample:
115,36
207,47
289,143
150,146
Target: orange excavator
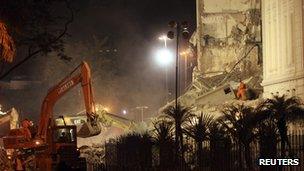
54,145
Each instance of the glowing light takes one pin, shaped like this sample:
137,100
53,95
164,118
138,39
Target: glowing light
37,142
124,112
185,53
163,37
164,57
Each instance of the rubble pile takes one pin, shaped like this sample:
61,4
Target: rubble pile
4,163
94,154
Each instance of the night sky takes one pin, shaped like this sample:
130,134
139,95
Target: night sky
131,28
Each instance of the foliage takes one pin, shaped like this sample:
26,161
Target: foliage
240,121
163,140
37,27
284,109
134,151
220,146
179,116
163,133
268,138
227,139
199,130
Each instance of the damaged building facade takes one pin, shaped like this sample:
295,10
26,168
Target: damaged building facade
228,43
258,42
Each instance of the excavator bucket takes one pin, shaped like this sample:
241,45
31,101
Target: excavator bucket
89,129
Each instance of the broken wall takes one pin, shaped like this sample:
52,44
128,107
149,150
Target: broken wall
229,30
228,40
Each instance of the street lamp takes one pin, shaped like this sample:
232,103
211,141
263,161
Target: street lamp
164,38
183,29
142,108
164,56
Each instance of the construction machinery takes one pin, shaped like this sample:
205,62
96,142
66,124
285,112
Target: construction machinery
54,146
105,118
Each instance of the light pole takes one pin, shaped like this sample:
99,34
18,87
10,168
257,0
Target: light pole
179,28
142,108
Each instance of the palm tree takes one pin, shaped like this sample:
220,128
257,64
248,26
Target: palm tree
134,151
268,139
220,146
163,139
199,130
179,116
285,109
240,121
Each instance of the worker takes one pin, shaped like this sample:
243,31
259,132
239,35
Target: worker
241,92
63,137
26,124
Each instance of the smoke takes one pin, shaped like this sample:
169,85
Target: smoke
115,38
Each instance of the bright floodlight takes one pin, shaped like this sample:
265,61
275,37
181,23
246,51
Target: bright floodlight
124,112
163,37
164,56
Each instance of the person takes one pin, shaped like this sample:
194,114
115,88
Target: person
63,137
241,92
25,128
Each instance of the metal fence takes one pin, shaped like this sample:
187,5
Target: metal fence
229,157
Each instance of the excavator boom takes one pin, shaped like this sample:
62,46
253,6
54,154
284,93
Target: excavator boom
54,144
91,127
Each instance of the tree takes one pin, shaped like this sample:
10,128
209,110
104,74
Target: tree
134,151
268,138
285,109
163,139
36,27
240,121
199,130
220,146
179,116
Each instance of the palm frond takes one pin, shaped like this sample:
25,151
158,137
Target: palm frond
199,129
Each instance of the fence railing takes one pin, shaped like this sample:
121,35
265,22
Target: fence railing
222,157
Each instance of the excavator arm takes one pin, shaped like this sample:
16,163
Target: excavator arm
91,127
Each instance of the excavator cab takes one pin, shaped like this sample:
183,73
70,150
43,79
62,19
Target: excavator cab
87,129
64,148
64,134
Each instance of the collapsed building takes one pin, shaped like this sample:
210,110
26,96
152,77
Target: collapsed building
258,42
8,120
